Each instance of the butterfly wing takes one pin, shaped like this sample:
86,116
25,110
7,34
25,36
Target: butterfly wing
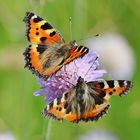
101,92
97,112
111,87
68,108
39,31
44,61
92,104
59,107
50,53
75,52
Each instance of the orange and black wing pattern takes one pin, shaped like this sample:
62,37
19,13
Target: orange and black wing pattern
48,52
59,107
77,108
45,39
111,87
75,52
63,109
42,61
39,31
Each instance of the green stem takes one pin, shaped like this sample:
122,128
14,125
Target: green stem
48,134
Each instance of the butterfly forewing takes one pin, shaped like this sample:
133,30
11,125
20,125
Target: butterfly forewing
107,88
39,31
59,107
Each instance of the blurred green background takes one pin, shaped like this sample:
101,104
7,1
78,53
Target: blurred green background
20,111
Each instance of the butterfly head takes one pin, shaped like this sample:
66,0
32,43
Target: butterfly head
73,43
80,86
80,81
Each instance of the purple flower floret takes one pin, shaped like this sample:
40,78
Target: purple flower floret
67,77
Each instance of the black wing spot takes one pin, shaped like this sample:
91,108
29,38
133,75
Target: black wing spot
46,26
37,33
114,90
121,83
79,48
60,108
38,19
102,85
110,93
110,83
43,39
28,16
41,48
84,50
53,33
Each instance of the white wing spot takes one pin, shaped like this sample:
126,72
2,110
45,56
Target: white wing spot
116,84
55,102
105,85
63,98
125,83
48,107
35,16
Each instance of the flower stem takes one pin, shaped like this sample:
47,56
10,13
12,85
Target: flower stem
48,133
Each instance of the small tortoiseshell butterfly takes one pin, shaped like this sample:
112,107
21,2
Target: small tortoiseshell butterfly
48,51
86,101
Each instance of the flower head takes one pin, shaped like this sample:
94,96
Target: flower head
67,77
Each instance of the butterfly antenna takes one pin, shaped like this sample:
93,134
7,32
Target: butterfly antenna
67,77
91,66
96,35
70,20
67,81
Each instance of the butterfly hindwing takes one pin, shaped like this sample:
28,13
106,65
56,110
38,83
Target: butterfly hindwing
111,87
39,31
86,101
72,106
97,112
63,110
42,60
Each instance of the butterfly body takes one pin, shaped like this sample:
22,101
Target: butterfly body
48,51
86,101
82,101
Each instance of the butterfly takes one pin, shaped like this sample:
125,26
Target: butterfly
48,51
87,101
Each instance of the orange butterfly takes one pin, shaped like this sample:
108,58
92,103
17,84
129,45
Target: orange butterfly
86,101
48,52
